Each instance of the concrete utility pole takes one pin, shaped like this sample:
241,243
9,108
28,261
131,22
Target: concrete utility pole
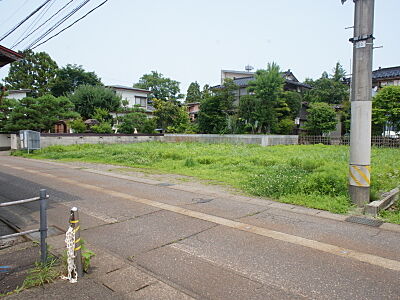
361,103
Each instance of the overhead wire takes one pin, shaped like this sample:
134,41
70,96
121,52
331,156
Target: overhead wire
61,21
24,20
84,16
41,25
13,14
35,21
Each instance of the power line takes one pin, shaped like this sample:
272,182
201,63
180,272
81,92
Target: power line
24,20
41,25
61,21
84,16
33,24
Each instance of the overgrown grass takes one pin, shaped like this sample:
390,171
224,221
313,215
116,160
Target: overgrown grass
309,175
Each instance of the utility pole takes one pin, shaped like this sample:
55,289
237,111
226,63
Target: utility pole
361,103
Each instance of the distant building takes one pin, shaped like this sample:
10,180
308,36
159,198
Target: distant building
385,76
134,96
193,110
243,78
17,94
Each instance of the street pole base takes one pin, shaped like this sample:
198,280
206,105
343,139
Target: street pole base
360,196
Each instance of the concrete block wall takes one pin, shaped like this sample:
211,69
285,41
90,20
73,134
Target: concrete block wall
263,140
5,141
72,139
47,140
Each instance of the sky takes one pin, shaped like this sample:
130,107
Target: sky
189,40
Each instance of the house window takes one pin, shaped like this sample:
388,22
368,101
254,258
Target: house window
140,101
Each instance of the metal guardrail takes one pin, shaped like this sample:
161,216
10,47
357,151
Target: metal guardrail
43,221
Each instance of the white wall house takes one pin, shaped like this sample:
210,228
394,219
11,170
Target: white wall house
17,94
135,96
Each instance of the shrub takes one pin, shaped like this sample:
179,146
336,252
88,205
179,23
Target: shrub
78,126
102,128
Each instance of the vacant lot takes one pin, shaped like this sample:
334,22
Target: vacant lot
313,176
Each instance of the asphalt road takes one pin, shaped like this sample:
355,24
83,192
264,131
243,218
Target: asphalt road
211,246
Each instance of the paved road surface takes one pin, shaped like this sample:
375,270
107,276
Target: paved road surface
210,245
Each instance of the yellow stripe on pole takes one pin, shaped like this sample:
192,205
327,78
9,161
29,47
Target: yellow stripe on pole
77,228
74,222
362,174
355,179
77,241
77,248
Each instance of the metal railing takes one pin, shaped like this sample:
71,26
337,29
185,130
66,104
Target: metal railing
43,222
377,141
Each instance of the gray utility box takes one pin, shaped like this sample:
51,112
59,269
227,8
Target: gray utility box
30,140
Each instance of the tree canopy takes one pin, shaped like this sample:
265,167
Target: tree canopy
170,116
321,119
329,88
35,71
215,109
87,98
161,87
137,119
267,89
193,93
386,109
70,77
40,113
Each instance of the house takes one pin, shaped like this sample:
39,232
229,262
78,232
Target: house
243,78
17,94
8,56
193,110
134,96
385,76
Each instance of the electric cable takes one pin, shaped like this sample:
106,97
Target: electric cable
41,25
84,16
33,24
24,20
61,21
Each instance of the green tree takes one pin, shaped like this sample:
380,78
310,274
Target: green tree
103,127
87,98
321,119
70,77
171,116
216,109
161,87
206,92
139,120
193,93
386,109
35,71
339,74
40,114
267,88
6,107
77,125
328,89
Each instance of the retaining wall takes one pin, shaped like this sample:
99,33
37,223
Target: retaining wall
263,140
49,139
5,141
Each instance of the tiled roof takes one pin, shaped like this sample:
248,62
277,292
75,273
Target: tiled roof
122,87
386,73
244,82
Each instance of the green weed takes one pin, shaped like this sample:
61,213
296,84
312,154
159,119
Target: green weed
309,175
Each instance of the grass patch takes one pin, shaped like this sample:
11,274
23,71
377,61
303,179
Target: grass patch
392,215
309,175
